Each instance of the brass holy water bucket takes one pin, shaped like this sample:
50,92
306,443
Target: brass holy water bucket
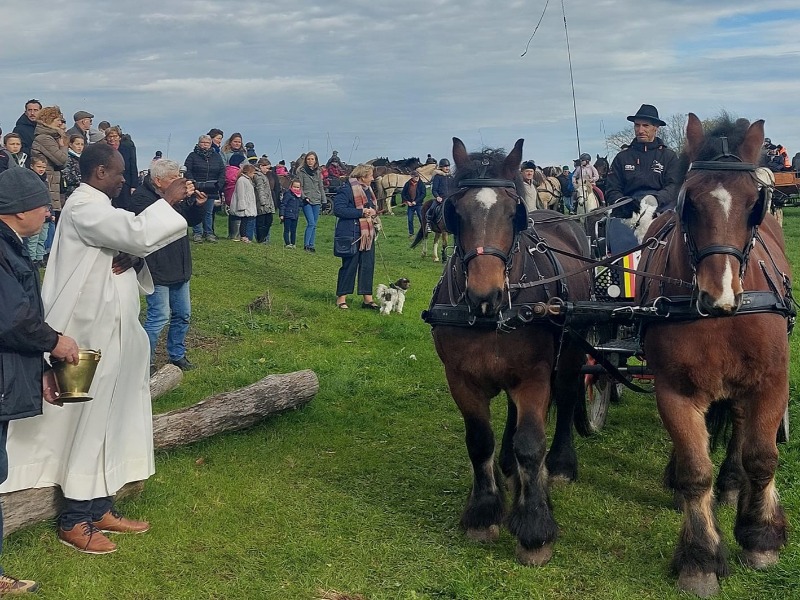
75,380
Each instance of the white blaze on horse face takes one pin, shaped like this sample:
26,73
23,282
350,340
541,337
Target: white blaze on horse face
486,198
727,299
725,199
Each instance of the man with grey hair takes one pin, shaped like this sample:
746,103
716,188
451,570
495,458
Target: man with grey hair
170,267
207,169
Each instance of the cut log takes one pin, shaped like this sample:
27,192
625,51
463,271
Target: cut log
234,410
166,379
228,411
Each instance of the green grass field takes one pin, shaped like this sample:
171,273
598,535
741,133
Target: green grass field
361,490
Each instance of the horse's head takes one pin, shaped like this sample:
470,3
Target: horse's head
602,165
721,204
486,215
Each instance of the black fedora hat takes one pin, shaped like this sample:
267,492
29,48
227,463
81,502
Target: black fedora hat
649,112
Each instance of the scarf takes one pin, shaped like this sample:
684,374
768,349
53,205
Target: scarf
309,170
364,223
204,152
72,152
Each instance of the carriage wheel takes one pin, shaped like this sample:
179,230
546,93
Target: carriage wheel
599,391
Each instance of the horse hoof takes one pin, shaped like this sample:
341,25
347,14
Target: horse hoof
703,585
729,497
435,260
484,535
534,558
759,559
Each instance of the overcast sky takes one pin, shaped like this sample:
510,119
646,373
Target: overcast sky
399,79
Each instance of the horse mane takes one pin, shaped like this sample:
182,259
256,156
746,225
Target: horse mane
538,177
475,167
722,126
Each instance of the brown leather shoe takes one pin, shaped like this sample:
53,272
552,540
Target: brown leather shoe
87,538
11,586
113,522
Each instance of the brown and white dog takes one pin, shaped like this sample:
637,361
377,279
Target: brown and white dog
393,296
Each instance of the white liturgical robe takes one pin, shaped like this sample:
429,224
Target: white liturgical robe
91,449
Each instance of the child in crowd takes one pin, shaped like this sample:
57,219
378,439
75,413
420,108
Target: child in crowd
36,242
71,174
281,170
243,203
13,144
290,212
232,171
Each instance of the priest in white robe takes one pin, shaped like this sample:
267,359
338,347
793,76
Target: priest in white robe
91,293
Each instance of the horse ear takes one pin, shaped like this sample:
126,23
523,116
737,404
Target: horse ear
694,135
460,156
750,149
513,161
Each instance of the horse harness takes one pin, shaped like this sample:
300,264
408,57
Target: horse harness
778,300
525,245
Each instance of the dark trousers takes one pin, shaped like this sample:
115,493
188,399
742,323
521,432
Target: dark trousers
83,511
290,231
263,225
363,263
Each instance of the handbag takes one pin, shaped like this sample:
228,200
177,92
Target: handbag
345,246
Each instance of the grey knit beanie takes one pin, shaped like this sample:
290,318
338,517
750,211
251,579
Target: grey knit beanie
21,190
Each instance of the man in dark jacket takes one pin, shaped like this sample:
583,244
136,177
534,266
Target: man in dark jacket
206,168
413,195
24,336
170,267
26,124
441,188
646,168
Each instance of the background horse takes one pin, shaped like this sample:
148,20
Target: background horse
548,189
584,201
733,247
483,277
439,230
602,165
390,184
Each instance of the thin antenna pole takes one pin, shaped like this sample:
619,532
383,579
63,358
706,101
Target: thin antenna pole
571,78
605,137
169,139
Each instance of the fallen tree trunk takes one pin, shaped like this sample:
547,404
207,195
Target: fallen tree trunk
166,379
228,411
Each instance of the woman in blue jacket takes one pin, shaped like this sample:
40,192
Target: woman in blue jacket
355,208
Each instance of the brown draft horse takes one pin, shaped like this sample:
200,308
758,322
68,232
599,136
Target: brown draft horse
495,253
439,230
726,243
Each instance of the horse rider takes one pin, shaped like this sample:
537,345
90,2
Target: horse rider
646,170
530,197
441,187
585,171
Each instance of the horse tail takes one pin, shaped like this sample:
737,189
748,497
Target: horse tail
719,422
423,226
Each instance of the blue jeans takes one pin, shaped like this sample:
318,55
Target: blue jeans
248,228
414,210
169,303
207,226
3,473
289,231
311,213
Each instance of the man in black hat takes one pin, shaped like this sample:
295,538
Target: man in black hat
646,170
25,377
